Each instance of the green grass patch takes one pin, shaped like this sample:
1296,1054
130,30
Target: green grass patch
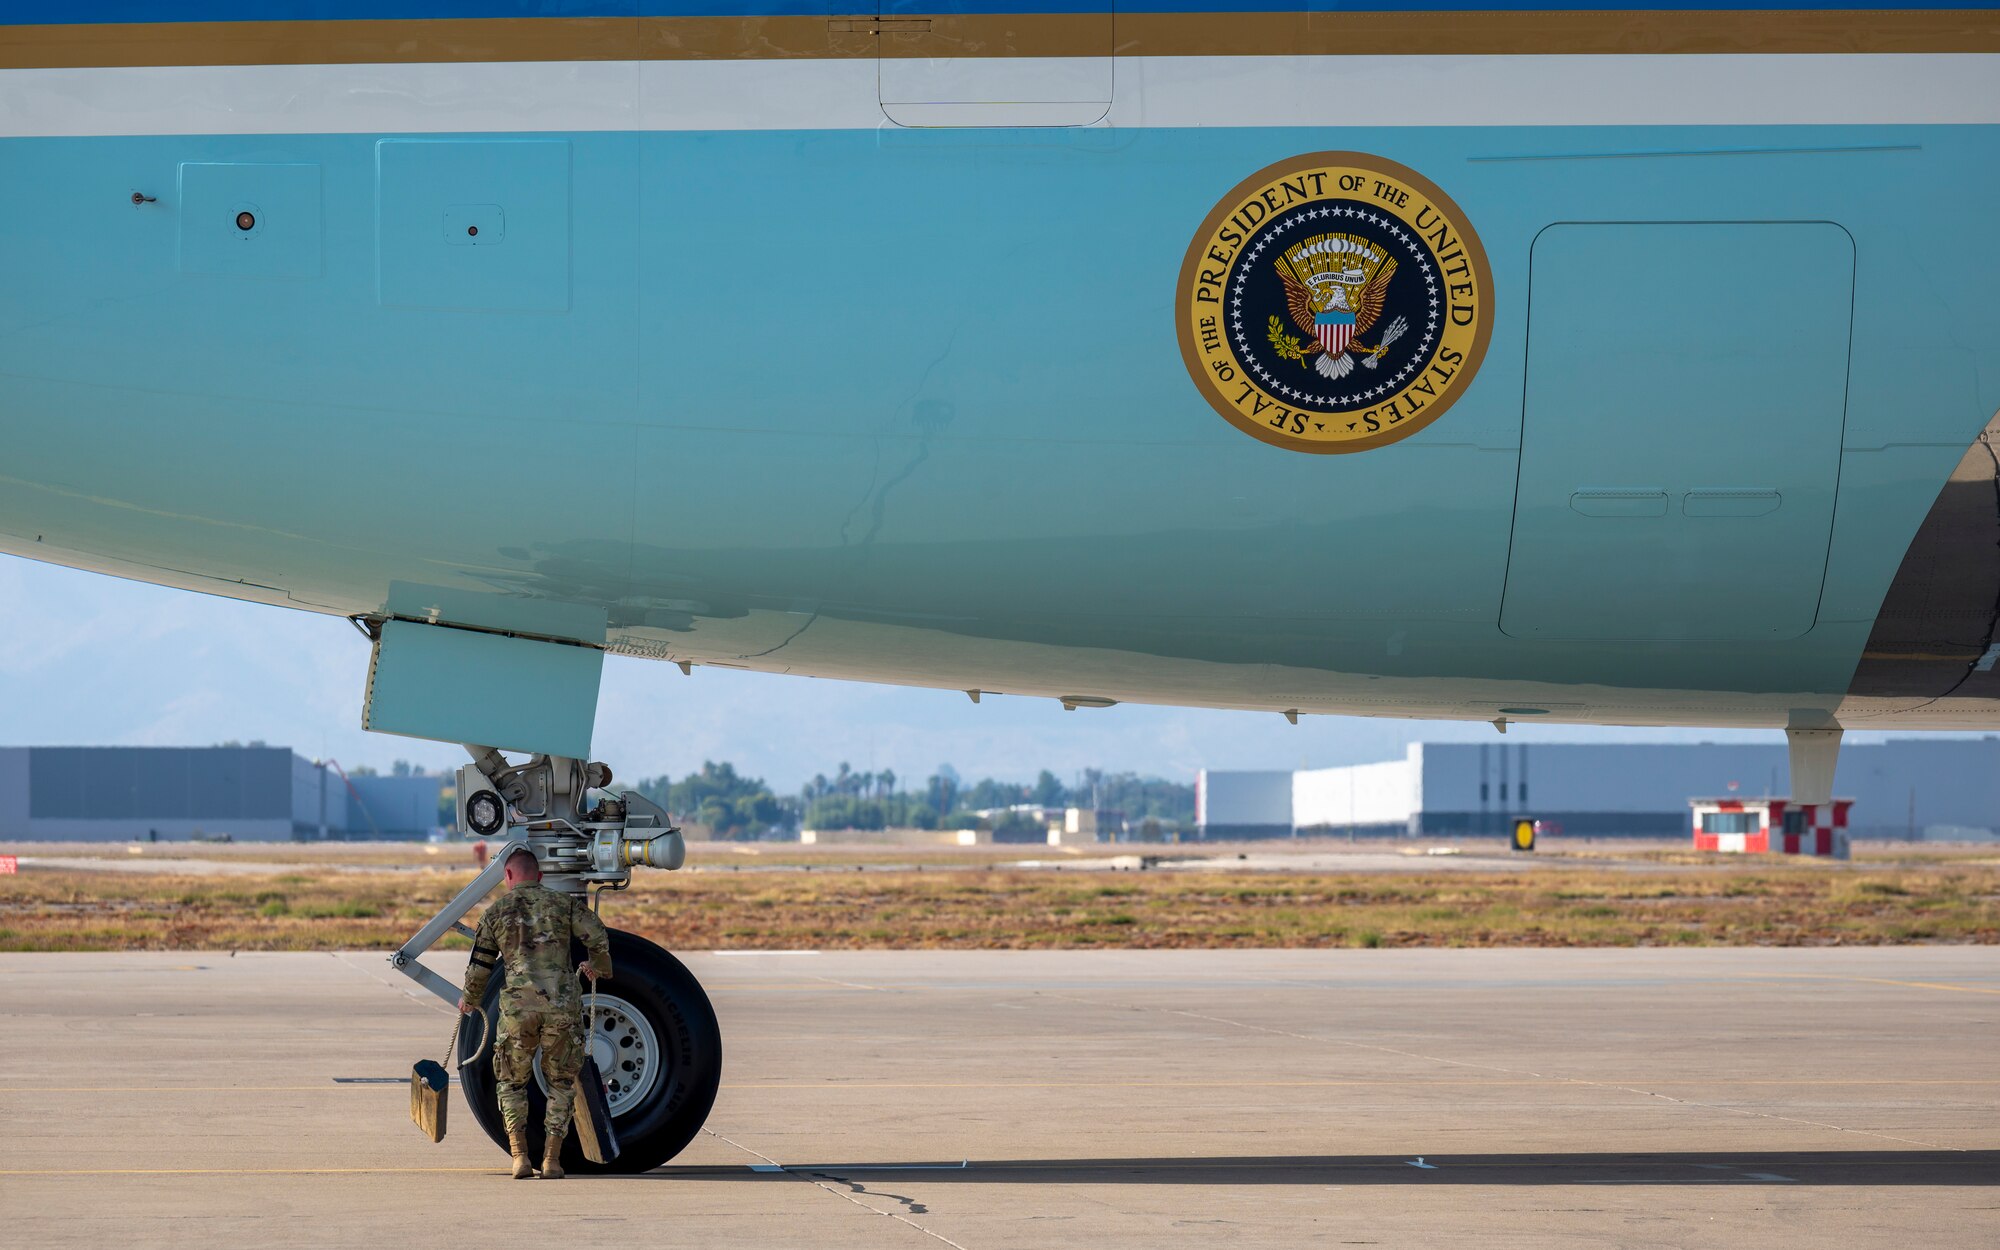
352,909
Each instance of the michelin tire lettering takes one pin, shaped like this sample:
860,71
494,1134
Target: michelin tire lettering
1334,302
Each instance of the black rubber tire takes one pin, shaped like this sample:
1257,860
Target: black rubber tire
691,1041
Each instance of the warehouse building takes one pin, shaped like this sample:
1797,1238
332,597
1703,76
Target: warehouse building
383,806
244,793
1925,788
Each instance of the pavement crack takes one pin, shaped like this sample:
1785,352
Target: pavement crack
911,1204
845,1195
406,987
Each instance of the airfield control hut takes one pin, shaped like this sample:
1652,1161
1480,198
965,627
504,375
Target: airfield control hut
1771,826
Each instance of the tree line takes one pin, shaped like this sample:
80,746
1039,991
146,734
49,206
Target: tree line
733,805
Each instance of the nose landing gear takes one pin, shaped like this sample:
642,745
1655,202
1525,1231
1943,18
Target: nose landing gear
656,1022
655,1038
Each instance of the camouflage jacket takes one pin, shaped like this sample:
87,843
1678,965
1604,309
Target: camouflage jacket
529,929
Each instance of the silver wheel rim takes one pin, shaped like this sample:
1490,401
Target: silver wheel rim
626,1049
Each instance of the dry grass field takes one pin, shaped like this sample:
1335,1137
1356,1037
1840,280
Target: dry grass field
305,898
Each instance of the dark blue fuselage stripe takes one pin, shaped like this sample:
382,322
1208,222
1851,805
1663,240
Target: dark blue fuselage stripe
99,12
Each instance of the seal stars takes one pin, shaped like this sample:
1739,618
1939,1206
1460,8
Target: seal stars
1334,302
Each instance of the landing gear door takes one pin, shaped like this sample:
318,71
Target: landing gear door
957,63
1680,447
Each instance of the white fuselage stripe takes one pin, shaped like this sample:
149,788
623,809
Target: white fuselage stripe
1789,89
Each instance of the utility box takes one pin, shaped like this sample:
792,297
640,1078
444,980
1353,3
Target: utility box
1771,826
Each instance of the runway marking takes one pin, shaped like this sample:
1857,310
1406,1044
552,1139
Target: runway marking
1821,976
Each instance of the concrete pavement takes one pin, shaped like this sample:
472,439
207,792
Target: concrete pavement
1685,1098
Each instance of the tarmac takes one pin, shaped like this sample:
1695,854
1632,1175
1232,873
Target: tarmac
980,1100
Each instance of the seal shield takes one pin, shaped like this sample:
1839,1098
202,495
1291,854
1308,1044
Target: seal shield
1334,302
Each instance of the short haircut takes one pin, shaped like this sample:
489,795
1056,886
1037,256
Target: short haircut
533,867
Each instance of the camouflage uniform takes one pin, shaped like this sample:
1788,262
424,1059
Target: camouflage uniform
541,1003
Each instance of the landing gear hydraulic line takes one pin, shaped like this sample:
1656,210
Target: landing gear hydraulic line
655,1037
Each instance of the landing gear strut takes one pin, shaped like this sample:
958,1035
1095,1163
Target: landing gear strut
655,1038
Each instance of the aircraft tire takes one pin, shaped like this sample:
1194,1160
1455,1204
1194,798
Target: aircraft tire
676,1103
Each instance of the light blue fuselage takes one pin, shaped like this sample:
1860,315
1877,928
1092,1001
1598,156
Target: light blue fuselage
908,405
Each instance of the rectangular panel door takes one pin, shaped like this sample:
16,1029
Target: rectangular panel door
1680,443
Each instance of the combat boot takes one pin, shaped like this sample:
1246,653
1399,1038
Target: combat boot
552,1160
517,1145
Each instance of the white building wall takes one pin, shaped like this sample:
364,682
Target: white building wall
1900,788
1597,777
1235,799
1361,795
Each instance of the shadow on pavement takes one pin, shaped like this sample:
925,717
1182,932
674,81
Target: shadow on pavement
1796,1167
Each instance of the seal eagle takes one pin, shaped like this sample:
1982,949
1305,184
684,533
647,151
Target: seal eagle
1335,289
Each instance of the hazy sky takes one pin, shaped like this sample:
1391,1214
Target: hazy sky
92,660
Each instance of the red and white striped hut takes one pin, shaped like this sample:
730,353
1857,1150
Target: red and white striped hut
1767,826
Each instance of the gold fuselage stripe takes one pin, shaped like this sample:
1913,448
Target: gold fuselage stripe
1560,32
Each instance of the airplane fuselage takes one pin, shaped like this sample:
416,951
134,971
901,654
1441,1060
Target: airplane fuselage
763,339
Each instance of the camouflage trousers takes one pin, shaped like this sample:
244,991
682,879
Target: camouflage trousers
558,1033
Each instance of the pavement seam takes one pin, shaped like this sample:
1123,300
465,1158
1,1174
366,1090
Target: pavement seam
1546,1076
409,989
812,1179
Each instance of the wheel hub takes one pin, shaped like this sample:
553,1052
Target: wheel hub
627,1051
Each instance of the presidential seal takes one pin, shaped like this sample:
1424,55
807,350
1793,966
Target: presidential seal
1334,302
